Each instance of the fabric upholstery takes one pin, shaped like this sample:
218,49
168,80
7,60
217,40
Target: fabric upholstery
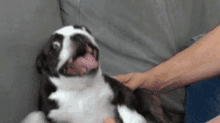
25,26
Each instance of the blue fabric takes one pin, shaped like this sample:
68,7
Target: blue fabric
203,101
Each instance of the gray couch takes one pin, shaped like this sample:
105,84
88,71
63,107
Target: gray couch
133,36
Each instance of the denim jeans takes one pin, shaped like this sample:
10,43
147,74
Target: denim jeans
203,101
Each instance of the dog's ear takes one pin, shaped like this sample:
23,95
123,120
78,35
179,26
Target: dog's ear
83,28
86,29
40,61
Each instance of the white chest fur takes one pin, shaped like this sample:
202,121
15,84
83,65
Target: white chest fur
81,106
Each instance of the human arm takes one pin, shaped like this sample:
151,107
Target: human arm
199,61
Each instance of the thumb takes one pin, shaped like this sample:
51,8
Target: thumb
135,82
123,78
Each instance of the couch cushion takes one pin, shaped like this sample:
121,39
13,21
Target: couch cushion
25,26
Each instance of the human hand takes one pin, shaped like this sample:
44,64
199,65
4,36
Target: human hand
135,80
131,80
35,117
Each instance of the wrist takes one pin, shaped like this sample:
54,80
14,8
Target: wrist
162,78
151,81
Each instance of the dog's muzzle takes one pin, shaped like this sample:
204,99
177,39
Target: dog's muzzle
84,61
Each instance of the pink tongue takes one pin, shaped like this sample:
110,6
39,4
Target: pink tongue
83,65
88,61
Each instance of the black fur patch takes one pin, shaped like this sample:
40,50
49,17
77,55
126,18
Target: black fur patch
47,59
137,100
124,96
81,27
46,89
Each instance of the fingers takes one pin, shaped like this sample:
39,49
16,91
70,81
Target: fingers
123,78
109,120
132,85
35,117
131,80
135,81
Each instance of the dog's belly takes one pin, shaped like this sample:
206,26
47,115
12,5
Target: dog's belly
82,107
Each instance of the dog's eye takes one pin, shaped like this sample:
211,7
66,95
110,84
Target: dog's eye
56,45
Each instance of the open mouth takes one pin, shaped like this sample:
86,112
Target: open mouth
84,62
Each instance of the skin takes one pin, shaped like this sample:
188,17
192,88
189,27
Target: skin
198,62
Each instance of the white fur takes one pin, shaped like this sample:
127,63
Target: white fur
90,104
66,52
77,83
129,116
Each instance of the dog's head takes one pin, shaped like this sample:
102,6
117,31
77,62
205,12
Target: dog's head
70,51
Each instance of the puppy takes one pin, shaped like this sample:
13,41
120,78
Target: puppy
74,89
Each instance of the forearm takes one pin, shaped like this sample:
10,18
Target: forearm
199,61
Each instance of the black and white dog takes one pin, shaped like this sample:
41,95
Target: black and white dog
74,89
